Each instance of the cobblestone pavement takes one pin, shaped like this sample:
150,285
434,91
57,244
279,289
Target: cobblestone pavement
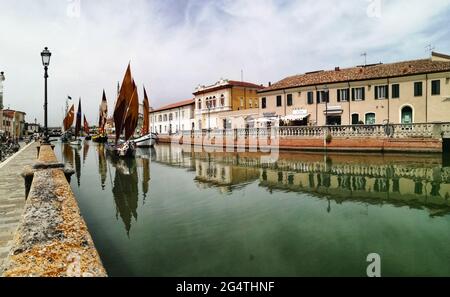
12,195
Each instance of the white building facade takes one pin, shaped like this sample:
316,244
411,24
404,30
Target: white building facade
173,118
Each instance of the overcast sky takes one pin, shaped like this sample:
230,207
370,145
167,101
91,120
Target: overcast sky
174,45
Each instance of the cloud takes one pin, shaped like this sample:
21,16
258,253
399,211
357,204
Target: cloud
175,45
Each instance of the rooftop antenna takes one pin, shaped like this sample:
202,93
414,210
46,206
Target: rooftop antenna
430,48
365,58
242,75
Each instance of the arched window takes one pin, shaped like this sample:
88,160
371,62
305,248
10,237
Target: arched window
200,104
170,117
222,100
407,115
165,118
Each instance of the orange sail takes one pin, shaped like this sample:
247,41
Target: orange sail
146,124
125,95
68,120
131,118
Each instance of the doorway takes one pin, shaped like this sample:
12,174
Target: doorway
333,121
407,115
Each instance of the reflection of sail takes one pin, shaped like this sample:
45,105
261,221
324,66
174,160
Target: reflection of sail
102,165
78,167
145,175
68,154
85,151
125,191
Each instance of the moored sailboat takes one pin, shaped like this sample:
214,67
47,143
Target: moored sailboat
67,123
126,117
77,141
146,139
102,137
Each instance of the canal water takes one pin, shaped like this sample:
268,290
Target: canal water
171,212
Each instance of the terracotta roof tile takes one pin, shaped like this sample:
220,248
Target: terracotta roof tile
174,105
377,71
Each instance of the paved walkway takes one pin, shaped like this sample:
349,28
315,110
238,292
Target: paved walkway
12,195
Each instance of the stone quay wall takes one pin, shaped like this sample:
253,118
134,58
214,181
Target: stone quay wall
52,239
414,138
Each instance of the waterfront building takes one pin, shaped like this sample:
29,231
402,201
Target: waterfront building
173,118
416,91
225,96
12,123
32,128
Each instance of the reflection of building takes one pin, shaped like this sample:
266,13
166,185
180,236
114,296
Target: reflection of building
223,96
172,118
406,92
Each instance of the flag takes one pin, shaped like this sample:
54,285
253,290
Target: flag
68,97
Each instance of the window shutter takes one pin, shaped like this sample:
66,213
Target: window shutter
363,93
353,94
387,92
338,95
318,97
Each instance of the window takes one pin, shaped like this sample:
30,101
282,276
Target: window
355,119
170,117
358,94
370,118
310,98
417,89
396,91
289,100
165,118
222,100
323,96
343,95
160,118
199,104
256,102
435,87
242,102
278,101
263,102
250,103
381,92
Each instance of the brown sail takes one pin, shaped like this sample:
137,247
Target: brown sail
131,118
120,110
146,124
68,120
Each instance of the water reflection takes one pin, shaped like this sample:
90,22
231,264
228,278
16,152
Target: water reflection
414,181
102,165
125,190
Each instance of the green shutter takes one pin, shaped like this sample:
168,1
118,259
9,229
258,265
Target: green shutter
338,96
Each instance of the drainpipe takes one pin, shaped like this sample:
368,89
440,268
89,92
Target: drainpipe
317,108
426,98
389,103
349,105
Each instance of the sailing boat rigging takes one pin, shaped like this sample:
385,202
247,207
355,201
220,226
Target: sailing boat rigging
147,139
67,124
77,140
102,137
125,116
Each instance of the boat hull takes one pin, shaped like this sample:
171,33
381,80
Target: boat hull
100,138
148,140
76,142
126,150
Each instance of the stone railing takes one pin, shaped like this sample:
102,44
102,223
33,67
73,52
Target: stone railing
52,239
432,130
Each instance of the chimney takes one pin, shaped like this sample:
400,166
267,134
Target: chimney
270,84
337,68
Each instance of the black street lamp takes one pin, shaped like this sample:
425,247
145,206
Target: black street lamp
46,54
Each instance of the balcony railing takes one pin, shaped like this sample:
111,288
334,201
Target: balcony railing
429,130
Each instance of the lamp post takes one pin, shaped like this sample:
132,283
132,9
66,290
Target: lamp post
45,54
